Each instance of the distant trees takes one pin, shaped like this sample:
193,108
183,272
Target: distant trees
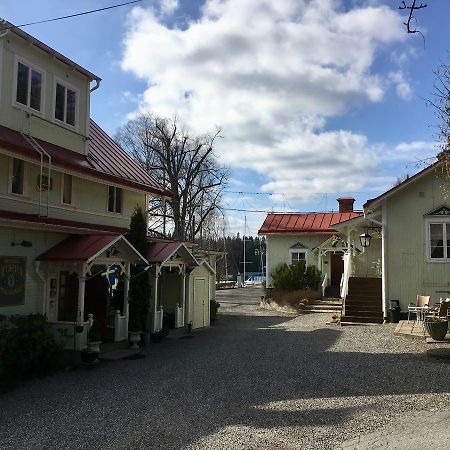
184,164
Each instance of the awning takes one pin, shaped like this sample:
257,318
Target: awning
86,248
165,252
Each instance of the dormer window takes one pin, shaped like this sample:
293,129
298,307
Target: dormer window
29,86
65,104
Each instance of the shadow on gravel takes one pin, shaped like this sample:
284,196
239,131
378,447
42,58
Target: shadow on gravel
244,371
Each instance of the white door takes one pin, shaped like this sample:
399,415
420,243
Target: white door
200,301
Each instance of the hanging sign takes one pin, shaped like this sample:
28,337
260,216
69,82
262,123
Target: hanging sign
12,280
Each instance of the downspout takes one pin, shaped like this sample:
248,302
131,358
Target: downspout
88,114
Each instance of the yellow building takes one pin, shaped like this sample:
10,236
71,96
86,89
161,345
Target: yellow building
67,192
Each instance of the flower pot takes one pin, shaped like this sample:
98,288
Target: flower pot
437,329
94,347
135,338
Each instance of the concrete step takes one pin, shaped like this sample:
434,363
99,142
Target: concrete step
323,308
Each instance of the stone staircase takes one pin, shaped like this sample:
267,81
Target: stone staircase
363,302
326,305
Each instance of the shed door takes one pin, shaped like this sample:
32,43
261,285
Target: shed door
200,301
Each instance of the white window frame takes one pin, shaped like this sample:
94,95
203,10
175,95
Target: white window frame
298,250
10,178
115,193
62,189
77,102
30,66
445,221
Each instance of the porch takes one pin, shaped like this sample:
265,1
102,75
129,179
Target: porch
86,278
170,261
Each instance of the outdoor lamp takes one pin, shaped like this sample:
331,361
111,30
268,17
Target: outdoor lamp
365,239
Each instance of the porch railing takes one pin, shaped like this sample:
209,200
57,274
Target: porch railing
120,327
324,284
65,333
179,316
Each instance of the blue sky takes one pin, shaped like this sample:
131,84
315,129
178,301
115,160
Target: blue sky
316,98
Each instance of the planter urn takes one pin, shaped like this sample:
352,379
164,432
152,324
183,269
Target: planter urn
94,347
135,338
437,329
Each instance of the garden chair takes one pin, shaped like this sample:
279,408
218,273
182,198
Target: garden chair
442,309
419,308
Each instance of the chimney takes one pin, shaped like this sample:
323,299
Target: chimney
346,204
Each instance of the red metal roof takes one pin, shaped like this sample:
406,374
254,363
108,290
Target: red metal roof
105,160
159,251
78,247
305,222
52,222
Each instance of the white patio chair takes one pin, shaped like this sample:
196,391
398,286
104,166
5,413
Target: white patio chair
420,308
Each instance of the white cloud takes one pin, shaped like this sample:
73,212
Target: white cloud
168,6
402,86
271,74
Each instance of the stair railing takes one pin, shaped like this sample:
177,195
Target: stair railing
324,284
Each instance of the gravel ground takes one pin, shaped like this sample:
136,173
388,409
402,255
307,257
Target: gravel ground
256,380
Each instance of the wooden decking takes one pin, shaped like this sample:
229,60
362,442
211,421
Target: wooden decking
415,329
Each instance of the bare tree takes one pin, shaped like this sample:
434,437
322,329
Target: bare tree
411,8
186,165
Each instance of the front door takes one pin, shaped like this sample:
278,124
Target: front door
337,268
68,297
96,302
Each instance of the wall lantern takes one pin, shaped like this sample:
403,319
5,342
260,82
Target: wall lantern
365,239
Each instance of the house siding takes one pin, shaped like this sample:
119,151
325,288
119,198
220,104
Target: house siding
84,207
14,117
408,271
279,245
34,286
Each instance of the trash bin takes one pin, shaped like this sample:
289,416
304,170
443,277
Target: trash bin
394,311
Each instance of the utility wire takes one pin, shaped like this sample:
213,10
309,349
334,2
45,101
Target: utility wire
71,15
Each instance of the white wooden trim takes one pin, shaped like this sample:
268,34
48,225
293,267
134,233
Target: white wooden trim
298,250
438,221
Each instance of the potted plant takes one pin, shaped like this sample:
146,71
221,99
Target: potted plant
436,327
135,328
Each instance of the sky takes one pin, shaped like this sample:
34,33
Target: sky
315,99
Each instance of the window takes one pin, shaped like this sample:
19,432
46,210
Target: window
114,199
66,190
29,86
297,256
65,104
17,176
439,241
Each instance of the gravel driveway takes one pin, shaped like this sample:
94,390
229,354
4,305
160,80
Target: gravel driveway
256,380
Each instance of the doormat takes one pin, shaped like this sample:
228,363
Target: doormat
188,336
135,356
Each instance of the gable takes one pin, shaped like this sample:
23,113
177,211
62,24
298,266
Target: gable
441,211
